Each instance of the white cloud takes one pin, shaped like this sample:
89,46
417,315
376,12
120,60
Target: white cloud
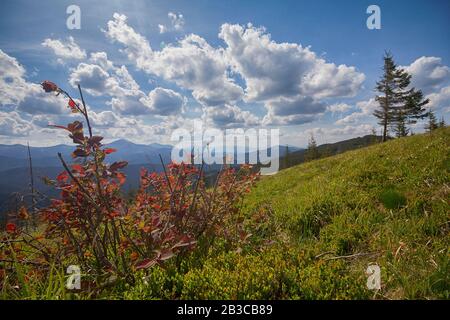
129,105
192,63
274,73
428,73
104,79
101,59
11,124
338,108
335,134
12,82
68,50
295,119
272,69
93,78
366,108
36,101
229,116
137,47
24,96
176,23
295,105
440,99
164,102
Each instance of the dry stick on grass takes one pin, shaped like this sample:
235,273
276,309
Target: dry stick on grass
356,255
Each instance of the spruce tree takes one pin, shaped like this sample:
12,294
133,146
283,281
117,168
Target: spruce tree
312,152
414,106
442,123
399,105
390,87
432,122
400,129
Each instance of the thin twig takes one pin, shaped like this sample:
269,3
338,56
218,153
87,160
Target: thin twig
82,189
165,173
356,255
85,111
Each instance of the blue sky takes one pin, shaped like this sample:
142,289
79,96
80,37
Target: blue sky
301,66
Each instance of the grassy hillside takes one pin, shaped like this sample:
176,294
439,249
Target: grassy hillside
388,202
327,220
317,226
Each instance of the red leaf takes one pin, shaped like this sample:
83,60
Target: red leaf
117,165
79,153
146,263
78,168
72,104
121,177
95,140
49,86
75,126
109,150
62,177
11,227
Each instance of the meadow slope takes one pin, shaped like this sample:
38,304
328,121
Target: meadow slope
325,221
312,231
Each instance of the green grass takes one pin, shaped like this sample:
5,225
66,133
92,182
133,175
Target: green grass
389,200
388,204
323,222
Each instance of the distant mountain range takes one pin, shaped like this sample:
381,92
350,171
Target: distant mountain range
14,166
15,176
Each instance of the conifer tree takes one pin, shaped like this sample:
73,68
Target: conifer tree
312,152
442,123
432,122
400,129
399,105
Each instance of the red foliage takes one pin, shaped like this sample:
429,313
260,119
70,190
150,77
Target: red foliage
92,223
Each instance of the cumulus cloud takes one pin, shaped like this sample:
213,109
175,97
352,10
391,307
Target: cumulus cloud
366,108
67,50
295,110
229,116
360,130
428,73
95,79
440,99
272,69
164,102
137,48
36,101
191,63
24,96
295,119
176,23
11,124
276,74
339,108
295,105
12,82
102,78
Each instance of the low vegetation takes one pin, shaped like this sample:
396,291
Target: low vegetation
308,232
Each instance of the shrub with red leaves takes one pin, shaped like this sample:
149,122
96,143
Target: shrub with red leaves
92,224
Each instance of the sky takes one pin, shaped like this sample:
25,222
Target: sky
150,67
